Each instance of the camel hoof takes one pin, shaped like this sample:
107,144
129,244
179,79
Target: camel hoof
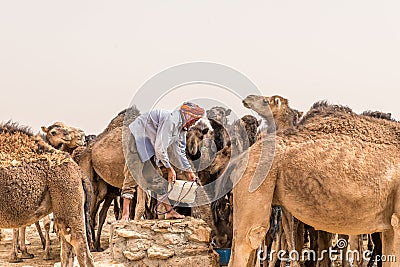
26,255
15,260
99,249
48,258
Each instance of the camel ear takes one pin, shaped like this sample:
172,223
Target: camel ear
300,114
259,122
205,131
45,129
228,112
277,102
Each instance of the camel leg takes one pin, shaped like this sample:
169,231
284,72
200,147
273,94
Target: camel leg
284,247
102,218
73,239
376,249
299,237
14,252
141,203
116,208
47,223
248,234
289,226
66,253
387,245
98,199
323,246
24,249
354,242
275,247
39,230
395,222
313,236
345,260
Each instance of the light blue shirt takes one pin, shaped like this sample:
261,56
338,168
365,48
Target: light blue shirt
155,131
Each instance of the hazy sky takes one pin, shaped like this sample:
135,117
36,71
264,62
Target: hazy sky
82,61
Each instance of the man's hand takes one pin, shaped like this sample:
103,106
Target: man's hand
171,175
190,175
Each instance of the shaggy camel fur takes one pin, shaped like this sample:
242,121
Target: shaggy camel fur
337,171
56,135
35,180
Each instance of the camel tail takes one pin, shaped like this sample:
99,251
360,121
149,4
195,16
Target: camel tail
86,208
275,221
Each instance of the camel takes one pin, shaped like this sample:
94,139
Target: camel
336,171
103,162
110,194
219,122
279,116
36,180
56,135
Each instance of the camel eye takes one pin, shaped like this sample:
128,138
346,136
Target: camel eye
265,102
53,133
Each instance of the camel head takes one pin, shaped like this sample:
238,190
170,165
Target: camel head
194,139
57,134
218,116
245,133
264,105
89,138
77,137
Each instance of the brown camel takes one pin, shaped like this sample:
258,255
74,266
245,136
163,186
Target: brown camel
103,161
337,171
110,194
57,135
279,116
77,140
35,180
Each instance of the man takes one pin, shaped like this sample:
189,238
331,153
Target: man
152,133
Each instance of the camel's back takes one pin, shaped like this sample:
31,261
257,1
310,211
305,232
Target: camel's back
339,159
18,145
331,121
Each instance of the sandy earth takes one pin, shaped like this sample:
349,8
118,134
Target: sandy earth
35,247
102,259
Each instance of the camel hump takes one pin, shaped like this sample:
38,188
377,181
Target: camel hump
378,115
125,117
324,109
19,145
